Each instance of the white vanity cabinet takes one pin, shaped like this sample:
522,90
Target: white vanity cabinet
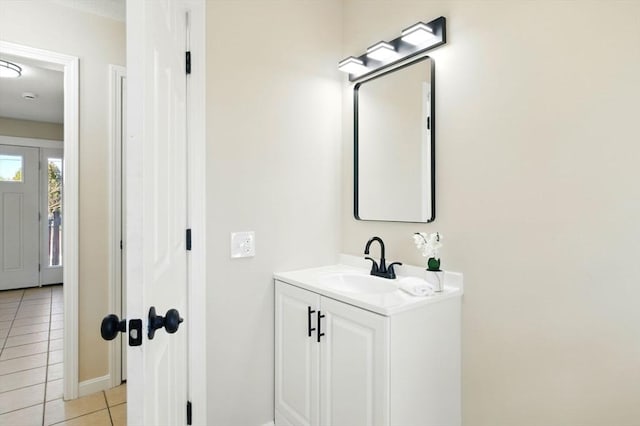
342,379
365,368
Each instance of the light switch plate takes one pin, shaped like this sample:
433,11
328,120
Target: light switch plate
243,244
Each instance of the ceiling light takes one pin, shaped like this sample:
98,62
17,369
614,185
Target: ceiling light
418,34
381,51
352,65
9,69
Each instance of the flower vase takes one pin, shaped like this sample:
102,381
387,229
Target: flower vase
436,279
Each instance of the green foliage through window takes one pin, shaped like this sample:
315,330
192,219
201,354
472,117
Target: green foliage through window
55,188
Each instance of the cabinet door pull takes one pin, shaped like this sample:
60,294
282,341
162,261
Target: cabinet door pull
320,333
309,312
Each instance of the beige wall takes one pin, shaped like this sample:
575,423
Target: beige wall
97,41
273,134
31,129
538,200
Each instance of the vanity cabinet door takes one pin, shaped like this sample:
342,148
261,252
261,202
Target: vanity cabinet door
296,355
354,374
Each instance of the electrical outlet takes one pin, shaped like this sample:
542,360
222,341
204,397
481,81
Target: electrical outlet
243,244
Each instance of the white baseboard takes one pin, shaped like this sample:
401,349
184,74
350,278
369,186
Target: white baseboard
94,385
271,423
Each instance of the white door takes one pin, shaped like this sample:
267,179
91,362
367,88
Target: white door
156,200
51,169
18,217
297,364
353,366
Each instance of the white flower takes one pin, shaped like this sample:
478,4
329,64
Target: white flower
428,244
420,239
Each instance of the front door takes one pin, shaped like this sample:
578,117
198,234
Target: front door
156,214
18,217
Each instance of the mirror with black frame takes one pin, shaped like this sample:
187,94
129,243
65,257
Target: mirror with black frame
394,151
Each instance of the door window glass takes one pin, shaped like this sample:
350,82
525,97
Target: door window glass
54,210
11,168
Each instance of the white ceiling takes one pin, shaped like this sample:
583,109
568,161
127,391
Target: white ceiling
45,80
39,78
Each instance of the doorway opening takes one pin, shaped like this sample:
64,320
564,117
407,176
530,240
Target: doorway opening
59,224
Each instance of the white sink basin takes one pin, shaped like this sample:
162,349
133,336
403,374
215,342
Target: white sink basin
357,283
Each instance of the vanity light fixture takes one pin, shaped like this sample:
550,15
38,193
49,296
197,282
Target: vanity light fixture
414,40
9,69
381,51
352,65
418,34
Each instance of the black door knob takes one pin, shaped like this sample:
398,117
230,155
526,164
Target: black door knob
171,321
111,326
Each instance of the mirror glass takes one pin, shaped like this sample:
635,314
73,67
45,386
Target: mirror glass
394,145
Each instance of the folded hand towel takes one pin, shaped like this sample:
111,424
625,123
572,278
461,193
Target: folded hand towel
416,286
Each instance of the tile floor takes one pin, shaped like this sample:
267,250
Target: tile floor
31,329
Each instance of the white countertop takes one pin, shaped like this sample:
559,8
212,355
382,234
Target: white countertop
386,303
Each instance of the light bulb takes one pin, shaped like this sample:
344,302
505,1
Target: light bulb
418,34
352,65
381,51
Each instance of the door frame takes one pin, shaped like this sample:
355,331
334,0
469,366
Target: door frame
116,224
70,66
197,202
197,154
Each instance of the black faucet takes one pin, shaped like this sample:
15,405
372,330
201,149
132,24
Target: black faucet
380,270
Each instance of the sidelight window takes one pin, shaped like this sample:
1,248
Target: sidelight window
54,210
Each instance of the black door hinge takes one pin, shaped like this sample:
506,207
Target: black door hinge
188,62
120,244
188,412
189,239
